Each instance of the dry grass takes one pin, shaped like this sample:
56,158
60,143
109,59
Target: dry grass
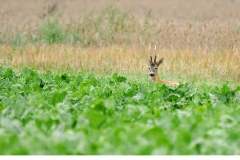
172,25
182,64
27,14
112,27
205,36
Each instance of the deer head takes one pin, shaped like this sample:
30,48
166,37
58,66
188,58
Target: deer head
153,65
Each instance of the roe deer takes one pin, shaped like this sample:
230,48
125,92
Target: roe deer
153,69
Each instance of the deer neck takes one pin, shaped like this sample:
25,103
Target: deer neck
156,79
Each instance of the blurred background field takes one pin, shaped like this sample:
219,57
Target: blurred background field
200,40
27,14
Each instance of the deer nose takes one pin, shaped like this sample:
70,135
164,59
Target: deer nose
151,74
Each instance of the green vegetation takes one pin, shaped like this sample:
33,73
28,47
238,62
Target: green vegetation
78,113
51,32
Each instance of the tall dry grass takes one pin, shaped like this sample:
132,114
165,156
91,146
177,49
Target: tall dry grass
113,27
179,64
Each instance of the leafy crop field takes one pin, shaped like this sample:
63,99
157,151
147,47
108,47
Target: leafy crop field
74,78
79,113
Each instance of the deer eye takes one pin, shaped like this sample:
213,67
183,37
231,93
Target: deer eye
149,68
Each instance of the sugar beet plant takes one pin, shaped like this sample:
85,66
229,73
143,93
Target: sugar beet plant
59,113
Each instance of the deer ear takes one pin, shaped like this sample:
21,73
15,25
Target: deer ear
160,62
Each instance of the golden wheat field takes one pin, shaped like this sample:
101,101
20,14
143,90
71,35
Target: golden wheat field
199,40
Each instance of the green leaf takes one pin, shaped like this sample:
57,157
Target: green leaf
118,78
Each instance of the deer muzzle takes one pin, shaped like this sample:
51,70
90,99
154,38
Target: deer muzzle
151,74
